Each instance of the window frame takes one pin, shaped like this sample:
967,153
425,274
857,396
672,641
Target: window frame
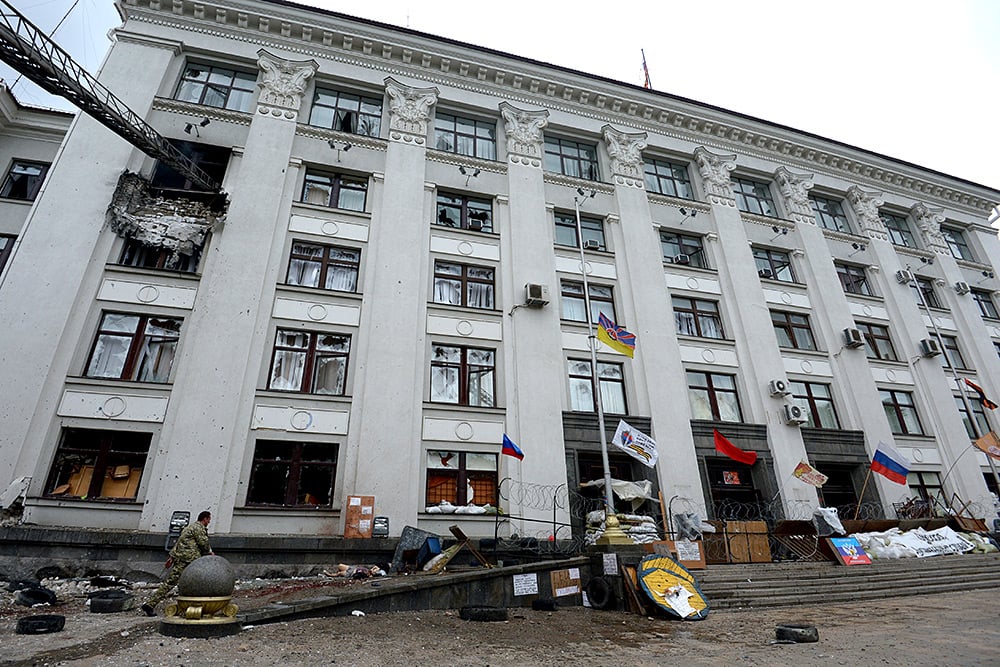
464,477
957,243
472,137
698,317
344,118
950,351
775,261
464,367
899,229
466,283
789,326
748,190
296,467
571,291
33,182
692,245
566,156
337,189
326,263
610,381
592,229
983,299
113,450
139,255
810,397
658,172
310,368
896,411
7,249
472,211
833,217
242,102
872,334
849,277
712,389
134,367
980,413
925,286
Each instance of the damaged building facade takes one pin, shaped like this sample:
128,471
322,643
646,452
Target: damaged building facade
390,280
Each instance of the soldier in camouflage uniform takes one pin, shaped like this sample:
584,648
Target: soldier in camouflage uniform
192,544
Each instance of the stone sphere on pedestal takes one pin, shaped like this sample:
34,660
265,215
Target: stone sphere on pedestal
208,576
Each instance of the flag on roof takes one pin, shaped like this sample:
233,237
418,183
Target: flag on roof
986,403
723,446
510,449
890,464
615,336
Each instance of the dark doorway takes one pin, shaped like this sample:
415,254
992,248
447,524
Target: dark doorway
734,497
839,489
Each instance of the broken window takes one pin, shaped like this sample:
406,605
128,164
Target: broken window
356,114
461,478
335,191
325,267
217,87
136,253
213,160
134,347
293,474
455,210
92,464
310,362
463,376
23,180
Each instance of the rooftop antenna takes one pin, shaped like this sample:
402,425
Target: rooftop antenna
645,70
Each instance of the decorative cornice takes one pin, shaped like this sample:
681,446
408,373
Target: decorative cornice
356,140
626,156
379,47
458,160
572,182
409,111
282,84
524,134
201,111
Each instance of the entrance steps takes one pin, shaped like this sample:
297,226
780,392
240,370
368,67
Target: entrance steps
751,585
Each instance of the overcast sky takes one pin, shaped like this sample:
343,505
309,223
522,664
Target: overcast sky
916,80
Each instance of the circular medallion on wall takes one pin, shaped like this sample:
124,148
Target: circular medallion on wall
464,328
890,375
918,456
996,332
316,312
708,355
331,228
301,420
693,283
147,294
867,310
806,366
113,407
786,298
463,431
585,267
465,248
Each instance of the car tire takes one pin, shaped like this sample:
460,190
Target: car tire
41,624
544,604
32,595
478,613
796,632
111,601
600,593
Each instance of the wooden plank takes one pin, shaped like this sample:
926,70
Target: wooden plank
631,579
462,537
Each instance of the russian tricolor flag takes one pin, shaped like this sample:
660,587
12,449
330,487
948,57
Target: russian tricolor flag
510,449
890,464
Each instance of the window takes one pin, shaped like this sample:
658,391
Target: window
463,376
899,230
602,300
678,247
878,344
923,292
134,347
817,403
464,212
713,396
951,355
6,248
93,464
136,253
461,478
293,474
217,87
854,279
571,158
996,346
697,317
829,214
213,160
463,285
323,266
927,487
980,415
982,298
309,362
465,136
24,180
591,228
773,264
793,330
955,238
335,190
901,412
610,378
668,178
345,112
753,197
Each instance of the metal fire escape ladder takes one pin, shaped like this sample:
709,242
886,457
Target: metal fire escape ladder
29,51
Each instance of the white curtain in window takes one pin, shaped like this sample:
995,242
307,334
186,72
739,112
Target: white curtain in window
341,278
710,328
303,273
480,296
612,399
287,373
685,324
444,385
448,291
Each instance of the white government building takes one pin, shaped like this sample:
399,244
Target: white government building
364,311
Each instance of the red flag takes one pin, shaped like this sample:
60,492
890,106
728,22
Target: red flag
986,403
727,448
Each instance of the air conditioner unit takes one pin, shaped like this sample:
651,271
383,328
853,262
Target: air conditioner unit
765,273
778,388
681,259
591,244
795,415
853,337
535,295
929,347
962,287
903,277
476,225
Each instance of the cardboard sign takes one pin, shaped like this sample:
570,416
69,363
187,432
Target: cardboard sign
849,551
565,582
689,553
358,520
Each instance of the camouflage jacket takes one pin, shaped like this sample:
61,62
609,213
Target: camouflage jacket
192,544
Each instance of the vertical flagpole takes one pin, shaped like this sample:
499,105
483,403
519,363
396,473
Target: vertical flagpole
612,531
861,499
645,69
